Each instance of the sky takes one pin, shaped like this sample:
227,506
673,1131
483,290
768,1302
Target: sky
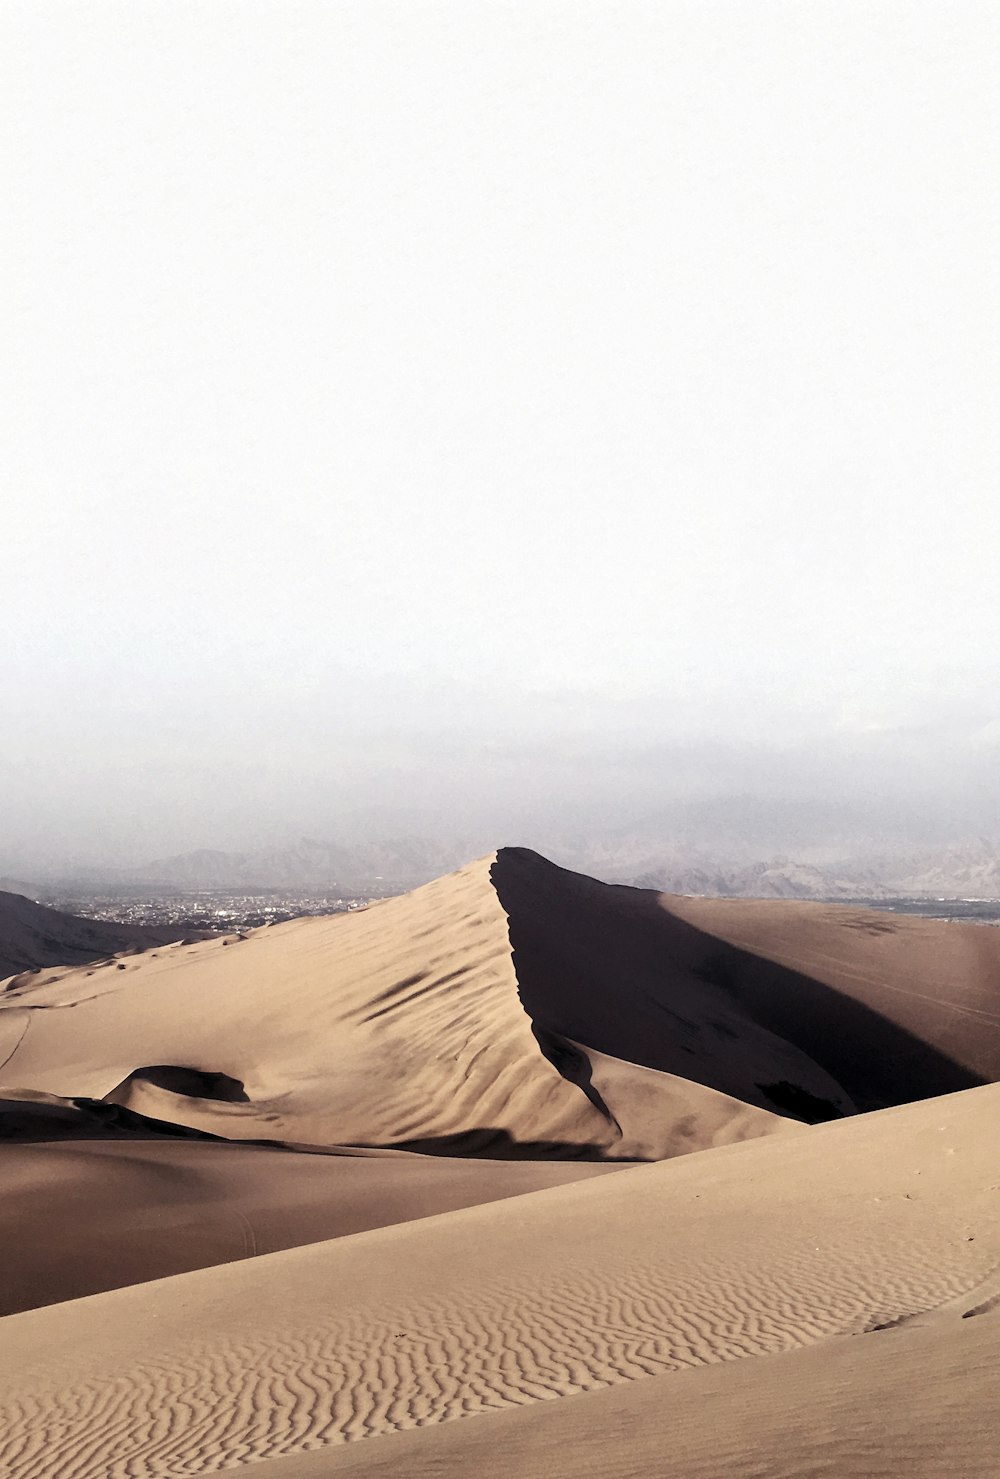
454,415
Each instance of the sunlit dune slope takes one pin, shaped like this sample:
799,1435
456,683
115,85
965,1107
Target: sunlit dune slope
732,1255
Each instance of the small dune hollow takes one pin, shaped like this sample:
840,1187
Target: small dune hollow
794,1100
196,1083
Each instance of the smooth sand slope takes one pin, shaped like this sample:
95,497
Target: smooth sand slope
539,1302
33,936
81,1215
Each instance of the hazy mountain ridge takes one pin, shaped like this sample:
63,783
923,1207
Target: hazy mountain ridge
311,864
777,879
961,870
750,864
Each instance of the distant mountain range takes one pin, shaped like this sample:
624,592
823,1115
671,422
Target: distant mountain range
970,869
778,879
308,864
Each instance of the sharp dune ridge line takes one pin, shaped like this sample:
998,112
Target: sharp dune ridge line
270,1011
445,1241
402,1025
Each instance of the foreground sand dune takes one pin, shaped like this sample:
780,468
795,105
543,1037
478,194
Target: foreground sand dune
728,1255
916,1401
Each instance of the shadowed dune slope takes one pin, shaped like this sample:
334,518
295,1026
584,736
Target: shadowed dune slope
397,1026
78,1216
889,1008
33,936
730,1255
897,1007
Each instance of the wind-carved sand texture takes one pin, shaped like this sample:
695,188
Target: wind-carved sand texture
794,1288
729,1254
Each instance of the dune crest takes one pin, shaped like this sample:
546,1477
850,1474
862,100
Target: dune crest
405,1025
514,1009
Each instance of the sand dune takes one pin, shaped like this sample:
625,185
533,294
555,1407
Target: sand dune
728,1255
896,1007
770,1299
513,1008
887,1007
404,1025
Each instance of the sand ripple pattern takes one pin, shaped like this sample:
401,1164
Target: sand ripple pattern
260,1390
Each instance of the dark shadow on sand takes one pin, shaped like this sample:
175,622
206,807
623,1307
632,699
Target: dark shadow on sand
491,1144
610,967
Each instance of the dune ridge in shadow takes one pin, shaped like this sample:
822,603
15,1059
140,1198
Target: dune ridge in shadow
896,1007
625,971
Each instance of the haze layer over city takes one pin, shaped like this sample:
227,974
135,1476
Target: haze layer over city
552,425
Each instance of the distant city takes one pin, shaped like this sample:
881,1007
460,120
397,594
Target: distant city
223,910
204,909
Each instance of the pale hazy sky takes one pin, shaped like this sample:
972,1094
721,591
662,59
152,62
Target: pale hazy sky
459,409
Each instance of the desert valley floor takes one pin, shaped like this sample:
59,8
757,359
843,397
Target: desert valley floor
517,1174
